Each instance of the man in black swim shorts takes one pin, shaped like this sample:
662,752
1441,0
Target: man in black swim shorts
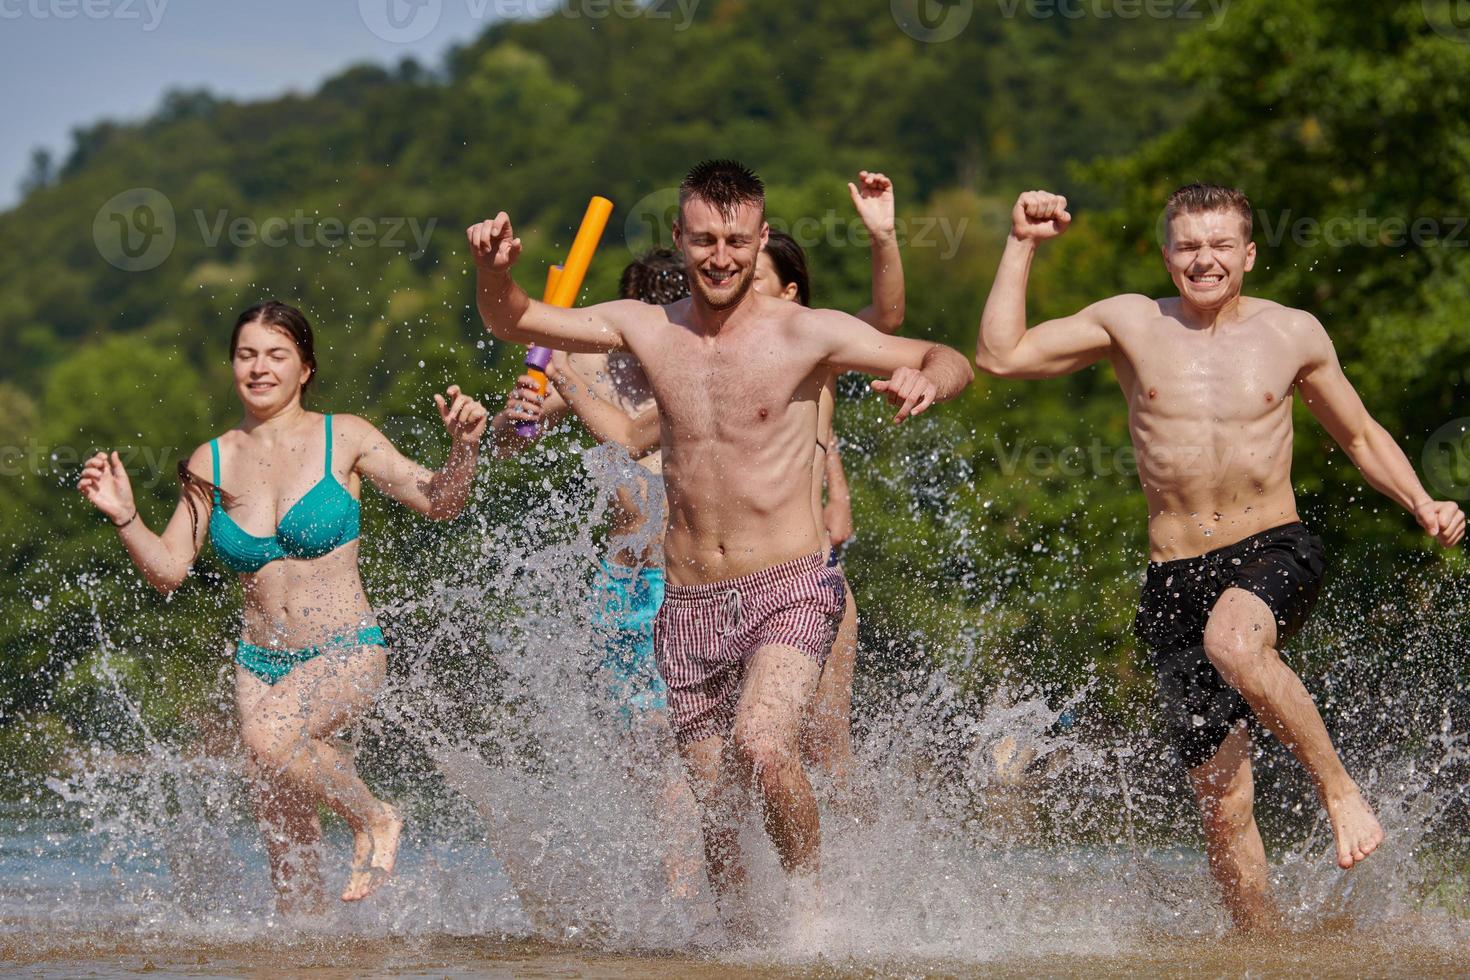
1283,567
1209,377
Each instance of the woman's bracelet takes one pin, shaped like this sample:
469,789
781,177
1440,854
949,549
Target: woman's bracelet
126,522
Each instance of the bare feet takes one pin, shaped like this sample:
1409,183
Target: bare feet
373,853
1357,829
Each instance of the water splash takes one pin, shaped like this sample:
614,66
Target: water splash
984,825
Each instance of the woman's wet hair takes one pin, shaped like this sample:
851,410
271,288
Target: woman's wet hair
655,277
789,258
289,321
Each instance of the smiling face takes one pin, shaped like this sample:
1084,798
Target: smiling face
269,371
720,249
1208,255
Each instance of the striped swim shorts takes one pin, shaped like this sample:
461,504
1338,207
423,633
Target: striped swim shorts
705,635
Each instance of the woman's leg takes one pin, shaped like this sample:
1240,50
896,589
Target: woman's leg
292,830
826,738
286,727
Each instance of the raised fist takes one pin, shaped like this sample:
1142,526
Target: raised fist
1040,215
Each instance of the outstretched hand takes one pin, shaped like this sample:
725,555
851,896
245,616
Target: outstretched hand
493,244
872,196
1442,520
910,389
106,486
1039,215
464,417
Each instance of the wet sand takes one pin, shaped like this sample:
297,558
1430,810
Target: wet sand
1387,953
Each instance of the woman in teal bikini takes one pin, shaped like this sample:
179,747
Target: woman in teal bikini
279,503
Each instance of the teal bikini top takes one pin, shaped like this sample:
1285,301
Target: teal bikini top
323,520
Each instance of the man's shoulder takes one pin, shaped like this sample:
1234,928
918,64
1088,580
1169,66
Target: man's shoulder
1290,320
1125,310
809,318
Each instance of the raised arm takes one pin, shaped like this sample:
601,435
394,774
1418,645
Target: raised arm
1005,348
1335,403
440,494
914,374
164,559
510,314
872,196
639,435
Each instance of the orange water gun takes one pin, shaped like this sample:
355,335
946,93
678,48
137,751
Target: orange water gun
563,283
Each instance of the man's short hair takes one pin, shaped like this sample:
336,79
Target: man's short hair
725,185
1198,198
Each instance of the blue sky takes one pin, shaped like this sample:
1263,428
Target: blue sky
72,62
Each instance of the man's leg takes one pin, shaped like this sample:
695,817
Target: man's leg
1240,640
1226,795
779,682
720,795
827,736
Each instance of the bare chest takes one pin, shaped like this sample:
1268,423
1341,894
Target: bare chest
725,388
1185,377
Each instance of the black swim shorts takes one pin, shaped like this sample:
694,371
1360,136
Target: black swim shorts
1282,566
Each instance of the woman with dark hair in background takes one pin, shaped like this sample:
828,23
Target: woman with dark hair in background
277,496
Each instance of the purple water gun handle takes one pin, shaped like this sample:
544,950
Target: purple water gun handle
536,360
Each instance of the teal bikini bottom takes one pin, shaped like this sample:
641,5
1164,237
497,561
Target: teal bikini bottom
625,603
270,664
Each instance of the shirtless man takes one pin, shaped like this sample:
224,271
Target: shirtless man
781,271
1208,376
751,607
